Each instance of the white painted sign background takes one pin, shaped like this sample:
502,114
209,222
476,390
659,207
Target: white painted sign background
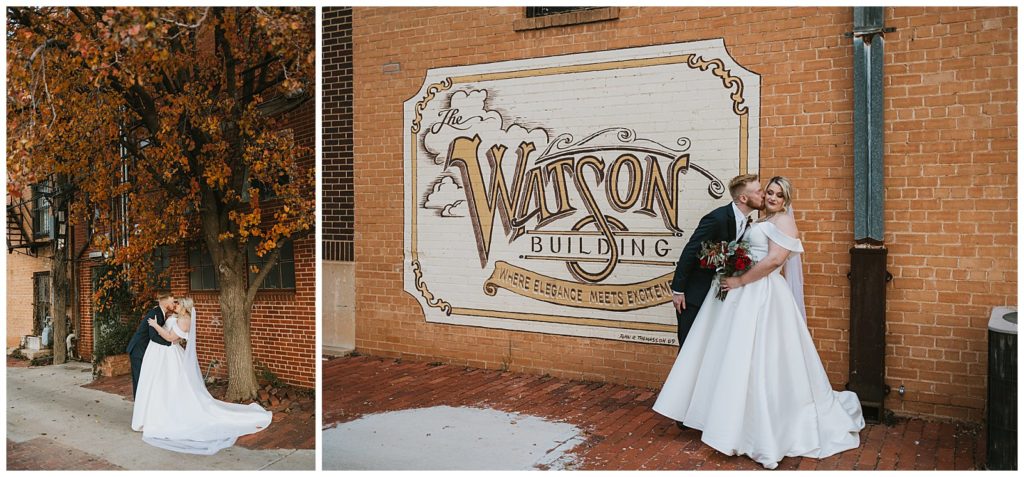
562,251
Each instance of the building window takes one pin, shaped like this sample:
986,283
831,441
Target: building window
203,275
550,17
42,215
282,275
266,189
161,277
40,301
534,12
120,226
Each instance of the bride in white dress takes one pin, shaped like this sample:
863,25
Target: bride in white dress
748,374
173,408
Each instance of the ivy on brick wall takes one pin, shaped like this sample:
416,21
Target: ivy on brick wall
116,322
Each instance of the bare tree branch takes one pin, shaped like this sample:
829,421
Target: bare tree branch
254,284
194,26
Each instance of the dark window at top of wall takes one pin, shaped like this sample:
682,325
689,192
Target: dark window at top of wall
203,274
160,277
282,274
534,12
537,18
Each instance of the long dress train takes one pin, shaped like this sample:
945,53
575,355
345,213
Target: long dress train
175,411
750,378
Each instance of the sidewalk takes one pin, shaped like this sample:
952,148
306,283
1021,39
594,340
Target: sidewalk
54,422
620,432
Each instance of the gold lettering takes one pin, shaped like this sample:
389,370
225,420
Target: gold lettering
556,173
668,197
598,218
483,204
612,184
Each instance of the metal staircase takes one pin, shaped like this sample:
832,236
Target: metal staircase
20,228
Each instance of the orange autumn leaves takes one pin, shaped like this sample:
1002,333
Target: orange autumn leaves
158,116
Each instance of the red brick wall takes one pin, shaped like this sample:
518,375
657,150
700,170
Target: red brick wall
283,323
951,207
950,180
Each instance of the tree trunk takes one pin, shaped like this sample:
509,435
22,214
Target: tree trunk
60,288
237,342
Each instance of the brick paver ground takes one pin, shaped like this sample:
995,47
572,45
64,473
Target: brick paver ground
44,454
294,429
621,430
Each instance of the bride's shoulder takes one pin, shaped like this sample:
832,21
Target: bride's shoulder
184,322
785,223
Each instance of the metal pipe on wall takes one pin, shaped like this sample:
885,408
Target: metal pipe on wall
868,275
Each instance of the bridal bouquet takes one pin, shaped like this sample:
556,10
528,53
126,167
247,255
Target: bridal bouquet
727,259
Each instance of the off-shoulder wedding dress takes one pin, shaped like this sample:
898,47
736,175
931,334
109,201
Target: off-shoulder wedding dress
750,378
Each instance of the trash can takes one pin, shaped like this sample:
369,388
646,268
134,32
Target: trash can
1001,415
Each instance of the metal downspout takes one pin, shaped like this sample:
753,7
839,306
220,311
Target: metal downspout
868,256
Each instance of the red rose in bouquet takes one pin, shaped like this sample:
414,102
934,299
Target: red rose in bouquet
727,259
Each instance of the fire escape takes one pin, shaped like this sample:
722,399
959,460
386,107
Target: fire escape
30,221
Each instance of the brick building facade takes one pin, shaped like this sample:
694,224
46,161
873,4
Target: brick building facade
29,258
283,320
950,178
23,271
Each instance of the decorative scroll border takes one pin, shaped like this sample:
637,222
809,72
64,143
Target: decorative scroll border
717,67
417,269
422,287
728,80
422,104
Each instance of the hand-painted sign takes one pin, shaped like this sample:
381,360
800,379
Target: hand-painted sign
555,194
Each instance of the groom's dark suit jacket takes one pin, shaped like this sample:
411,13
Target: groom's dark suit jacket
145,333
140,341
717,226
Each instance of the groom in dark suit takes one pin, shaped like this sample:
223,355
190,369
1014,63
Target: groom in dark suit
145,333
691,283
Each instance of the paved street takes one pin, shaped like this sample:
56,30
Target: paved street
618,429
54,423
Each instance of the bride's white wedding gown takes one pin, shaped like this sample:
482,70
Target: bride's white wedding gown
175,411
749,377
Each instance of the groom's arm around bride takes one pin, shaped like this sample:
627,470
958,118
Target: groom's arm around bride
145,334
153,334
691,283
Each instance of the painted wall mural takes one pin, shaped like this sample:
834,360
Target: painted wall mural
554,195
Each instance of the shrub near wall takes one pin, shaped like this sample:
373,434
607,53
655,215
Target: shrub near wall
950,180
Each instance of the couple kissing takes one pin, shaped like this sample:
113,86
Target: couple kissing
748,376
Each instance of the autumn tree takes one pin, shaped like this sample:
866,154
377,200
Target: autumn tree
177,112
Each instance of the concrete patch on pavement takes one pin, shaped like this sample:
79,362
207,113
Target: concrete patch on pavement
450,438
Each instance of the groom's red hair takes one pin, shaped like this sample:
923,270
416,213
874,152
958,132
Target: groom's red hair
738,183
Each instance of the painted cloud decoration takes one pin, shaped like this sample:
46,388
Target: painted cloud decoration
458,209
468,115
447,196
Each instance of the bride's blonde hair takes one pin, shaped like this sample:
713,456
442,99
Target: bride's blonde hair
187,304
